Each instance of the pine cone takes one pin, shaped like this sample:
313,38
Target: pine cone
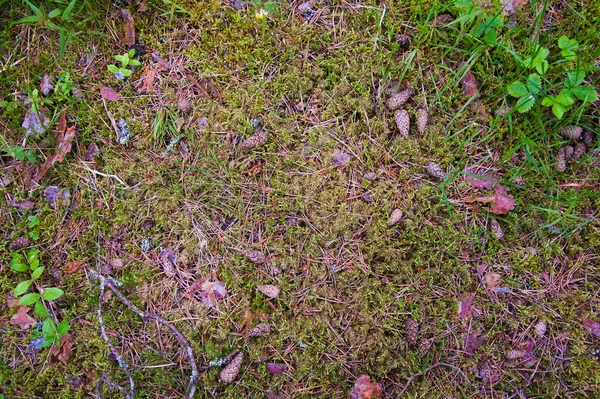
579,151
256,140
569,152
231,371
404,40
402,122
540,329
270,291
561,163
412,331
19,243
588,138
572,132
255,257
496,229
184,105
422,119
260,329
424,346
434,170
398,100
395,217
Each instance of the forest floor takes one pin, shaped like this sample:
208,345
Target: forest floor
240,195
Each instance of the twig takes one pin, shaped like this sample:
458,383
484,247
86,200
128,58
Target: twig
112,120
117,178
425,371
111,386
111,284
120,360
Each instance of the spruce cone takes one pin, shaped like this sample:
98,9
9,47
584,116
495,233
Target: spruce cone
231,371
572,132
422,119
561,163
395,217
402,122
398,100
19,243
496,229
270,291
588,138
434,170
569,152
404,40
424,346
412,332
256,140
260,329
579,151
540,329
255,257
184,105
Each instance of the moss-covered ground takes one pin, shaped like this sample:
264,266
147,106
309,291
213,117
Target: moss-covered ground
317,75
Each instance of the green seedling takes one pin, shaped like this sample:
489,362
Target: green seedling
30,264
126,60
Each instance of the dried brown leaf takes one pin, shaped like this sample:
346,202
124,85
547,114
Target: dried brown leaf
592,327
146,82
211,291
271,291
62,351
22,318
469,83
129,28
492,279
230,372
73,266
46,84
340,159
63,144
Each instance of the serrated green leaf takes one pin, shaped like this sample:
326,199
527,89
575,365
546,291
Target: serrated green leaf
585,93
564,98
37,273
39,308
534,83
525,103
51,294
63,327
30,299
537,60
517,89
574,78
33,221
22,287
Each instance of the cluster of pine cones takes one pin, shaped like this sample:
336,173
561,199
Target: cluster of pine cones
401,116
412,337
581,140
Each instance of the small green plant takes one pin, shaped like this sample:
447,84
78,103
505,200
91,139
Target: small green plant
126,60
566,91
30,264
50,20
263,9
20,153
63,87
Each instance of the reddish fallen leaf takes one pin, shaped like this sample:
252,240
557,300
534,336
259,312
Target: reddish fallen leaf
146,82
276,368
22,318
109,94
592,326
365,389
21,205
46,84
483,183
465,303
501,204
128,27
73,266
61,125
62,351
35,123
472,92
473,342
63,143
340,158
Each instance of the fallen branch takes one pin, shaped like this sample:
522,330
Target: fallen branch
112,285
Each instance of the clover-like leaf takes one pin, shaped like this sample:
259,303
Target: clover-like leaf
568,47
574,78
537,60
585,93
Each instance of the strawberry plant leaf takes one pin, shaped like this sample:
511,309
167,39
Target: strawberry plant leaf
585,93
568,47
517,89
537,60
534,83
574,78
525,103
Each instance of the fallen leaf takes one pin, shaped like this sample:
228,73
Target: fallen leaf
128,27
592,326
500,203
473,342
276,368
56,197
109,94
231,371
211,291
46,84
492,280
472,92
365,389
91,152
61,125
146,82
73,266
62,351
63,143
21,205
465,303
35,123
245,324
270,291
22,318
340,158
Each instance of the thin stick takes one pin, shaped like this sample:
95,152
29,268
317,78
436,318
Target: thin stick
111,284
425,371
120,360
117,178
